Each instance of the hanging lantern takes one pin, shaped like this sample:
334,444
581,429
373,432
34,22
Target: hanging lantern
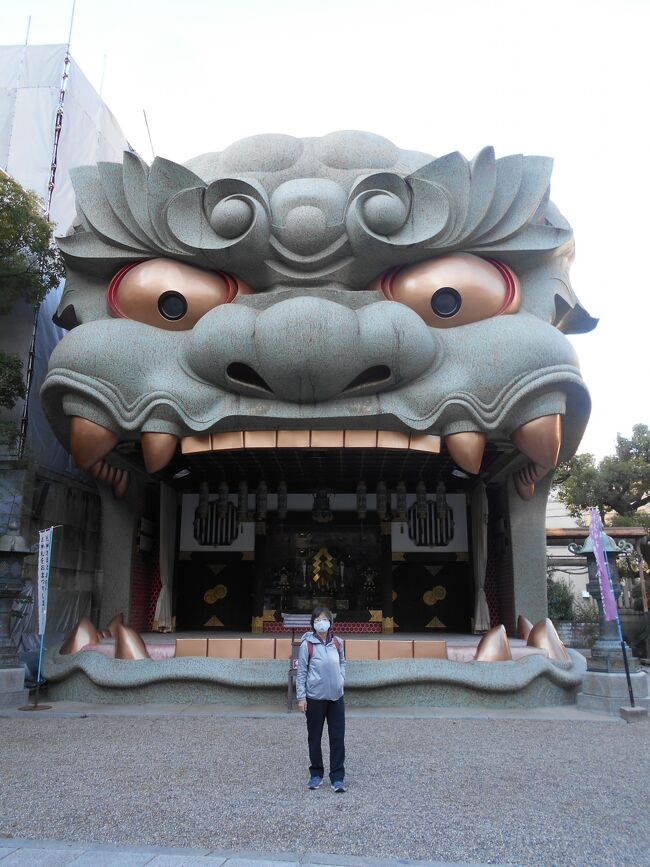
321,512
441,500
362,500
242,502
421,500
261,496
282,500
223,495
400,496
382,500
204,501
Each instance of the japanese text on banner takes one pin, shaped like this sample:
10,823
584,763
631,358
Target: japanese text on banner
44,551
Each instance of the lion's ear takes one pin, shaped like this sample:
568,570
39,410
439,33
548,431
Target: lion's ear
572,320
66,317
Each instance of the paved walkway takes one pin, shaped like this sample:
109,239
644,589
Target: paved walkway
448,786
71,709
52,853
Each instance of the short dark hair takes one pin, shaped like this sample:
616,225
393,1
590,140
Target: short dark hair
318,610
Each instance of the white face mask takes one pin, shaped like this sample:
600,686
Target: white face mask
322,625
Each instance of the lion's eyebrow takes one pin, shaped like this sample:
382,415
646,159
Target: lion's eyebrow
399,214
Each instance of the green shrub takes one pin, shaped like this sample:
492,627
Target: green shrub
560,599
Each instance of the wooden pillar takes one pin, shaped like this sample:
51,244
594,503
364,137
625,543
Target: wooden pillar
386,579
259,571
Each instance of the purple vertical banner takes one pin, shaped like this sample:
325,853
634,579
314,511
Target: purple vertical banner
606,593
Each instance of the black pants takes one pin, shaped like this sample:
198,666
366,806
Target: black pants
317,712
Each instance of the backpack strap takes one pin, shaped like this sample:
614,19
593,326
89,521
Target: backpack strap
310,648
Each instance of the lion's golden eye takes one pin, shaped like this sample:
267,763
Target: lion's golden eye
170,294
453,290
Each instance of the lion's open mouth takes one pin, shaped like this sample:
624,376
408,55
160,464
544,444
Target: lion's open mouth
346,451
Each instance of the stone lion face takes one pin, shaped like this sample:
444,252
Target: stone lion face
333,284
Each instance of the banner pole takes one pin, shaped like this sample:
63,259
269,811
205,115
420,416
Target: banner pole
622,640
38,676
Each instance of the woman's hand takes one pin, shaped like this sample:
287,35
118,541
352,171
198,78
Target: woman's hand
302,705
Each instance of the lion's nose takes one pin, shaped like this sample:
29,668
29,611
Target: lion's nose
307,350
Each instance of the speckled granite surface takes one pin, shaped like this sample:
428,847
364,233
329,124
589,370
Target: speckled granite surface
530,682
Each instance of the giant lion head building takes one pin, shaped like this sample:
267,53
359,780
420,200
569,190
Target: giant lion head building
337,369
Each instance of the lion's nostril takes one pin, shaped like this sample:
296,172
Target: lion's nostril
372,376
245,375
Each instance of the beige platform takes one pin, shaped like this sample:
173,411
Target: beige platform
455,647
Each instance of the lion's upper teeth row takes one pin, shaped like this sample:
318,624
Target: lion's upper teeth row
310,439
538,439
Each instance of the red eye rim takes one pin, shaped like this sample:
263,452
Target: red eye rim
113,286
111,295
509,280
388,279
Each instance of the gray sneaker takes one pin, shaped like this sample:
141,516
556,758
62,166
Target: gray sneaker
339,787
314,782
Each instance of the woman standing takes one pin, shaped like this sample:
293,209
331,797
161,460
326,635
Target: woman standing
319,690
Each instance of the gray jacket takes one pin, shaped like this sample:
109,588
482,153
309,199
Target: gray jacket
322,676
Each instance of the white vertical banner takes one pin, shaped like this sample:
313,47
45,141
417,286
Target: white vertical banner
44,553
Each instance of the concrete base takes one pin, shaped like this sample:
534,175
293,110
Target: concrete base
12,691
633,714
608,692
533,681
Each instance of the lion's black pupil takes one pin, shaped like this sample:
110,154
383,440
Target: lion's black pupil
172,305
445,302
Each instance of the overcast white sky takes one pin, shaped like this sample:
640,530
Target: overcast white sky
566,79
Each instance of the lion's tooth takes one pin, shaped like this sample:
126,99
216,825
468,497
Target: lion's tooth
111,628
424,443
494,646
540,439
157,449
525,489
89,442
84,633
467,449
129,644
523,627
96,469
121,486
544,635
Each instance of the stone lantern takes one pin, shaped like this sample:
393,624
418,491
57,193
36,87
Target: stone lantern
13,551
605,685
606,654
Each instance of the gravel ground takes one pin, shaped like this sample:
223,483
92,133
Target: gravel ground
509,791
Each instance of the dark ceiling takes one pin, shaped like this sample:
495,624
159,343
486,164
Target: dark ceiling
306,469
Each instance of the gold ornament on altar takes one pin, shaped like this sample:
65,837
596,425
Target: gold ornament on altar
322,565
431,597
220,591
436,595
